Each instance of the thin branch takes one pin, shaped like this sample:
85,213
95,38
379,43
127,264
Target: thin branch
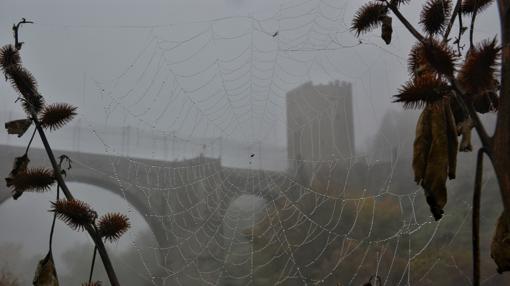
404,21
54,220
15,29
454,15
30,142
92,265
461,32
472,29
476,218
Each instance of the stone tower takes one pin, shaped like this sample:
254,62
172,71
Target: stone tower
319,125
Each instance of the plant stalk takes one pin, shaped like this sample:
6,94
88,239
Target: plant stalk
60,180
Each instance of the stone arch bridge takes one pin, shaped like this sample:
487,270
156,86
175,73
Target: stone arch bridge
183,202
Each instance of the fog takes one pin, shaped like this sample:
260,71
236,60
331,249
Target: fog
185,122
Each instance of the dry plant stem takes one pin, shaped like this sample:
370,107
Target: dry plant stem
58,176
475,231
461,32
54,220
472,29
30,142
92,265
406,23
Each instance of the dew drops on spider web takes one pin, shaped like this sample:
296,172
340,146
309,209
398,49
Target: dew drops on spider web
223,135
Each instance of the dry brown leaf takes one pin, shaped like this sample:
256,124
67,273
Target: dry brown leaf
464,129
20,166
18,127
421,145
386,29
46,274
435,154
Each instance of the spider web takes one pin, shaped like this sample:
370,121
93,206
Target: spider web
216,92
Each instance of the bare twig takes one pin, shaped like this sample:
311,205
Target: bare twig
15,29
454,15
404,21
30,142
462,29
92,265
54,220
472,29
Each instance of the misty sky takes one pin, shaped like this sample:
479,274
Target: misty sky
91,54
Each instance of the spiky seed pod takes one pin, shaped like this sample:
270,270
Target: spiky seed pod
75,213
416,63
468,6
18,127
439,56
420,91
434,16
479,69
57,115
23,81
112,226
9,56
36,180
386,29
36,103
368,17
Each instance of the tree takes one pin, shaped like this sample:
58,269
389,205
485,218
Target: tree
454,86
77,214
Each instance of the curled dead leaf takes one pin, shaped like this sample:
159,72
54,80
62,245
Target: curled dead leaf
386,29
18,127
46,274
20,166
464,129
435,154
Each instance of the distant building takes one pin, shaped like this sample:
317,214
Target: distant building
319,125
